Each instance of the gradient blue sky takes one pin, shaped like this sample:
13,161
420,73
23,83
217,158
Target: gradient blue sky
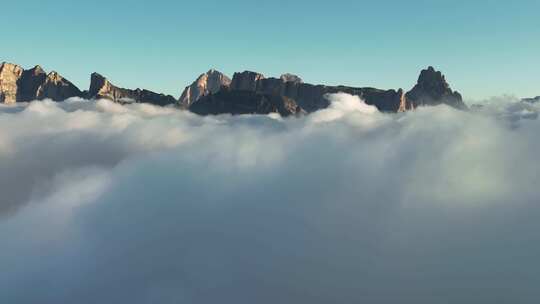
486,48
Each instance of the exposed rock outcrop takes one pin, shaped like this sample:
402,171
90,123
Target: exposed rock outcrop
208,83
432,89
9,77
100,87
312,97
236,102
19,85
531,100
246,81
247,92
57,88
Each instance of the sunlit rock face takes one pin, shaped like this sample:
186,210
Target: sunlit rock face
432,89
19,85
101,87
9,76
208,83
57,88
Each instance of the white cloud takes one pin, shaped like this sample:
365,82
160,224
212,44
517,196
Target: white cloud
139,204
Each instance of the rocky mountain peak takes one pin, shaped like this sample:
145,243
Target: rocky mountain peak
432,89
37,70
208,83
433,81
57,88
97,78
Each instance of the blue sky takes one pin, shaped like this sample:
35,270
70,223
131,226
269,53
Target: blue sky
486,48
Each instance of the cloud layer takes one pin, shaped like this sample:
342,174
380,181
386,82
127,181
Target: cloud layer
103,203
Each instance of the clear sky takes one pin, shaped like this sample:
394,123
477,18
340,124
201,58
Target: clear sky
485,48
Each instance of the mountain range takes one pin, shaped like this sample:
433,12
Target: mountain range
215,93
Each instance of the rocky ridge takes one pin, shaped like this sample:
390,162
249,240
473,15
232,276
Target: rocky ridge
245,102
308,96
102,88
214,93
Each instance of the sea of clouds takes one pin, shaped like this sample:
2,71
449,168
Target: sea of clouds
103,203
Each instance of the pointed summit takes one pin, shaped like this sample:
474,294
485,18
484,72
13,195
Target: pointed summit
432,89
57,88
208,83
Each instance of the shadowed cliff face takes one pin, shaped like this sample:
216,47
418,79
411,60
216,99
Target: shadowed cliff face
245,102
29,83
432,89
100,87
312,97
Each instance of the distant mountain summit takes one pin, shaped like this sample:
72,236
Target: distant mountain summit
214,93
57,88
19,85
432,89
208,83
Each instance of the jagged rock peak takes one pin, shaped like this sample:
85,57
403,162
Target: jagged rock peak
57,88
291,78
432,89
430,78
210,82
99,85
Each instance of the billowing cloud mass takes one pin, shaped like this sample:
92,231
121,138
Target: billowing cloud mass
102,203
